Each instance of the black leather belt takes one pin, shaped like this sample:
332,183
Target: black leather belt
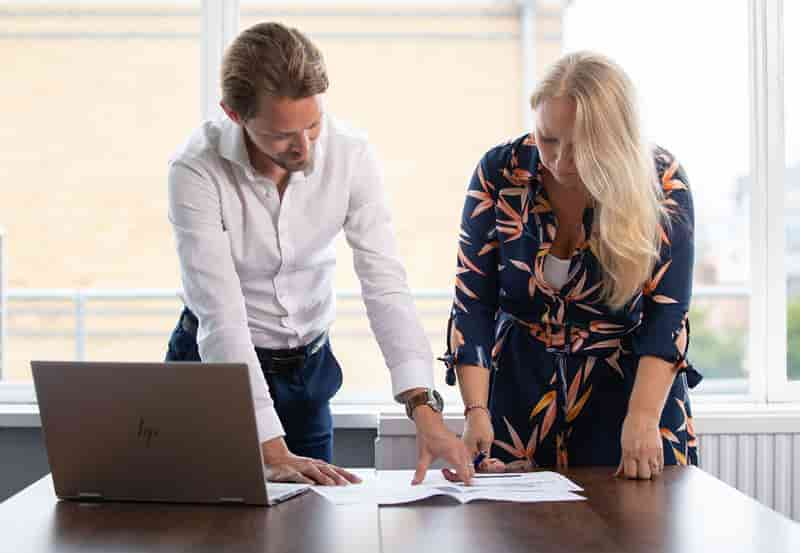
273,361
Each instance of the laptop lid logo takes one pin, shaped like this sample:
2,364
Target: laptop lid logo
146,433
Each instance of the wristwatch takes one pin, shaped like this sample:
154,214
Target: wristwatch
429,397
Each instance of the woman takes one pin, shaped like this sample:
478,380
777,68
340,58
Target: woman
569,328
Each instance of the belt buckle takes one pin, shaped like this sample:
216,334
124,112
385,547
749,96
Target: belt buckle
287,364
316,344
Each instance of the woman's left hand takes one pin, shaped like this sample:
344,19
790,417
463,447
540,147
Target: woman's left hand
642,447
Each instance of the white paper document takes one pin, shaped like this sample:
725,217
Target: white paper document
394,487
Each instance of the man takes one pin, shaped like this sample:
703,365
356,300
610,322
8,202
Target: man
255,201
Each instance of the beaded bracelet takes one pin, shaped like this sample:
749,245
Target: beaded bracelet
469,408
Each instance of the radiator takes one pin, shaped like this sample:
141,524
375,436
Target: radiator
763,466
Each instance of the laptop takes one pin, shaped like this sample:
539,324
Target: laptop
167,432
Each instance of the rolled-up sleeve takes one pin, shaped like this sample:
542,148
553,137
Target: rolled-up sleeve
667,295
390,306
211,284
475,303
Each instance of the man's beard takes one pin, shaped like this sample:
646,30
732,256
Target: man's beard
293,166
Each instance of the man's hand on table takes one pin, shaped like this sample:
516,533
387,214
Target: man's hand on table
281,465
435,441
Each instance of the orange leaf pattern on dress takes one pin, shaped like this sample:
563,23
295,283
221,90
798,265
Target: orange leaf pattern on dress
679,456
667,433
576,409
546,400
548,420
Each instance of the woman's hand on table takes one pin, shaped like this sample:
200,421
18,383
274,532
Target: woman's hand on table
642,447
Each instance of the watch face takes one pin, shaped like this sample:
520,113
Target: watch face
438,402
430,397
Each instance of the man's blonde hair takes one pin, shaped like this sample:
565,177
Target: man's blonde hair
272,59
615,165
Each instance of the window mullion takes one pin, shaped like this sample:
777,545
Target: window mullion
757,337
772,188
220,26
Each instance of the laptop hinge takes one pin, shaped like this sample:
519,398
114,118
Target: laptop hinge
231,500
90,495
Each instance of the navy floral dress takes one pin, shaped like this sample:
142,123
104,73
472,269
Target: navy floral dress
562,362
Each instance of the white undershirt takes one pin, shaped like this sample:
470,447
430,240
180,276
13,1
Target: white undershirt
556,271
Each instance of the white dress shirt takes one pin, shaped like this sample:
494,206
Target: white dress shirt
258,271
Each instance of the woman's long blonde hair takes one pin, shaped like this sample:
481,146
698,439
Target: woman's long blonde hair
615,165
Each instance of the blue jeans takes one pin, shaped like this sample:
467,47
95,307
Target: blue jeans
302,397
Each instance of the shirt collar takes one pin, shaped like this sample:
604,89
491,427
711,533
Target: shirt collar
524,159
232,147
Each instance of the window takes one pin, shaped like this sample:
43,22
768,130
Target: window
104,92
97,98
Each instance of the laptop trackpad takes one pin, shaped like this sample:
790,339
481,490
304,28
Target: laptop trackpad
279,491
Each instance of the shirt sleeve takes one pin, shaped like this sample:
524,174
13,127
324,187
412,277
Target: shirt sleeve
471,336
211,285
668,293
390,306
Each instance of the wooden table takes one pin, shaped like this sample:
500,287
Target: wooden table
685,510
34,521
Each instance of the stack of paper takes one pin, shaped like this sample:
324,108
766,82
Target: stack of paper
394,487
